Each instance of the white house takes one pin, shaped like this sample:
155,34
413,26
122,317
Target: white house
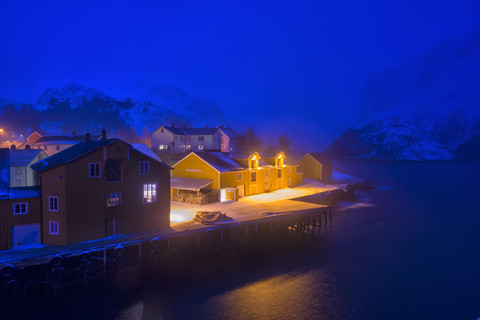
181,140
54,144
20,160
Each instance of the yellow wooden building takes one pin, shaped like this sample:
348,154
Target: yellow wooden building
315,166
235,176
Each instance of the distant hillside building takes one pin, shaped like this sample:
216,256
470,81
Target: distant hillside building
315,165
20,209
21,175
54,144
102,188
183,140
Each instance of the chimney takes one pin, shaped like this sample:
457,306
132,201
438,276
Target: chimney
228,127
27,147
221,126
13,147
104,134
74,134
173,125
206,126
87,136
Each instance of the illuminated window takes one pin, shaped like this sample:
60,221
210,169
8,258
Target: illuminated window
163,147
114,199
200,147
53,203
144,168
188,147
150,192
20,208
239,176
95,170
253,176
53,227
279,173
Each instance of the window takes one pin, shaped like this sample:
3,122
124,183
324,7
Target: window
113,170
162,130
279,173
53,227
163,147
18,171
239,176
188,147
150,192
95,170
267,185
20,208
253,176
144,168
200,147
267,173
201,138
289,170
114,199
53,203
57,148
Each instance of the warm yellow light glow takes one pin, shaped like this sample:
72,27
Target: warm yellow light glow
181,215
1,130
254,157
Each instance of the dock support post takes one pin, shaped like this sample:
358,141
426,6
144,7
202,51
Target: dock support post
331,220
104,265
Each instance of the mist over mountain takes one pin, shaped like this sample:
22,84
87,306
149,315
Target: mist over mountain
438,94
130,112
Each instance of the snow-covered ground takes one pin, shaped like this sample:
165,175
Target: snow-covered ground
251,207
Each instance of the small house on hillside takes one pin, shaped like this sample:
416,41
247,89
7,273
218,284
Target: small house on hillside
184,140
100,188
315,166
20,160
54,144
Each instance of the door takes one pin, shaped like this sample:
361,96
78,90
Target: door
25,234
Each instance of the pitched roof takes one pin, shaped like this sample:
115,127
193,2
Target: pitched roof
320,157
22,157
4,172
220,161
192,131
229,132
64,139
143,148
74,152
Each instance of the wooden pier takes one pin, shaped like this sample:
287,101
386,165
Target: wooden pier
52,272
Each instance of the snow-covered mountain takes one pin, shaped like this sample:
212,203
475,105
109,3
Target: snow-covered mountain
390,139
75,108
439,94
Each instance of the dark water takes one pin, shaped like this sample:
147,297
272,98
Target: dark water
408,252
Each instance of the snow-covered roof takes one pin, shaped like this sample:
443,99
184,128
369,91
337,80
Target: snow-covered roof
64,139
220,161
143,148
189,183
22,157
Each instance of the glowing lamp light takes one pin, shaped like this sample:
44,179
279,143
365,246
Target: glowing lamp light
254,157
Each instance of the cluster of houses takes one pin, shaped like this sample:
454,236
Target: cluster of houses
61,190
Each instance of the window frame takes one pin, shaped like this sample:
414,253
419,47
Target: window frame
97,174
240,174
57,227
153,192
253,174
18,171
57,203
146,166
20,206
114,195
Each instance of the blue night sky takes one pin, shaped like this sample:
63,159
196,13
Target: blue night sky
268,64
